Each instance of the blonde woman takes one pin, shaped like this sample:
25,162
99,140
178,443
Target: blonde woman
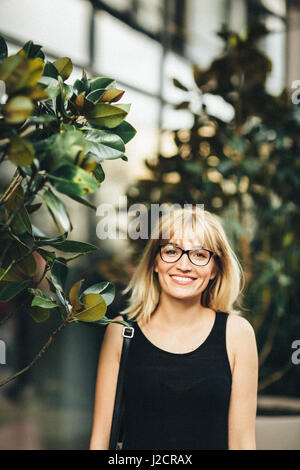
192,370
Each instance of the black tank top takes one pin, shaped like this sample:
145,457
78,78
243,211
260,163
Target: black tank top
177,401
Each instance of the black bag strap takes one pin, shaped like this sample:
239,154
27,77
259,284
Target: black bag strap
127,333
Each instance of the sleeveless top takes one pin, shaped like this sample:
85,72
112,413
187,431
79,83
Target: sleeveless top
177,401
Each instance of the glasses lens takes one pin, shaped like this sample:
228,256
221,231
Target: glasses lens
170,253
200,257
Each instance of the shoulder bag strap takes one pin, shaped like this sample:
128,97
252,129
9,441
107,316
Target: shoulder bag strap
127,333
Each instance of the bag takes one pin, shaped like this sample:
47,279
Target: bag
116,430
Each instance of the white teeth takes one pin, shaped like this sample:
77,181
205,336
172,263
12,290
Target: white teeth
183,279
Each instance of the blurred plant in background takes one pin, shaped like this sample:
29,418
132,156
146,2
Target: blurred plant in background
247,171
57,135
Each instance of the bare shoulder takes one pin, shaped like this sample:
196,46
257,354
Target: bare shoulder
241,333
113,337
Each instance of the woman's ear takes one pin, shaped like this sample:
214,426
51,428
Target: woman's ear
213,274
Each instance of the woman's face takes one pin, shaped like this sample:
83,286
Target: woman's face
183,279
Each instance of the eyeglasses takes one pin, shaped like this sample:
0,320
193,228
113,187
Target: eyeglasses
170,253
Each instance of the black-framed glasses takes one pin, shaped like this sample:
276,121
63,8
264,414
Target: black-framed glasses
199,256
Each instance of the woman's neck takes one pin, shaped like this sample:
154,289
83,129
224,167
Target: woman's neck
172,312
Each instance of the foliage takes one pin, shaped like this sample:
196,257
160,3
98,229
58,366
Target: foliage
247,170
56,134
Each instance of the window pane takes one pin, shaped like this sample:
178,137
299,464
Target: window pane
60,25
126,54
150,15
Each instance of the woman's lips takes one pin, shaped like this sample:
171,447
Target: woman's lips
182,280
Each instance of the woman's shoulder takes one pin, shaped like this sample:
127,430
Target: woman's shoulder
240,330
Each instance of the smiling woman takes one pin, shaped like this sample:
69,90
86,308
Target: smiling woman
191,372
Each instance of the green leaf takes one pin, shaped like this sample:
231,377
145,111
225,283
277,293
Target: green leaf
20,151
42,299
17,109
33,50
64,67
73,181
99,173
108,115
50,70
61,149
126,131
3,49
95,308
94,96
58,211
51,86
106,289
85,202
101,83
72,246
21,222
48,256
11,290
59,273
39,314
103,145
28,264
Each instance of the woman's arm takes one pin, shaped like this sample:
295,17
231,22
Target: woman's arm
243,401
106,384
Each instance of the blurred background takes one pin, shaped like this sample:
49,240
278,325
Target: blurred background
211,86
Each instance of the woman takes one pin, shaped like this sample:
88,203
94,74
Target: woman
191,374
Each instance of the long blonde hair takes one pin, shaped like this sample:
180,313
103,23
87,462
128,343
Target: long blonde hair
221,293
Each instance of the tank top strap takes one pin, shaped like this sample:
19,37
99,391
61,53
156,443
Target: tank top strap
219,329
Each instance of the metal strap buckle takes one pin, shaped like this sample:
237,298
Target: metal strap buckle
128,331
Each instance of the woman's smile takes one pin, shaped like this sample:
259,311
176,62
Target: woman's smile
182,280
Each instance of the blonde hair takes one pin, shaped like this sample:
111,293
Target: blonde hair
221,293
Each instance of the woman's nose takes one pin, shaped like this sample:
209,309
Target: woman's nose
184,262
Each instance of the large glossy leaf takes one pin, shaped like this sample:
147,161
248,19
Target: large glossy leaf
106,289
58,210
20,151
21,222
101,82
72,246
108,115
103,145
126,131
60,149
59,273
95,308
73,181
12,289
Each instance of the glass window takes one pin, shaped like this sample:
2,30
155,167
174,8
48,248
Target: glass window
49,23
126,54
150,15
